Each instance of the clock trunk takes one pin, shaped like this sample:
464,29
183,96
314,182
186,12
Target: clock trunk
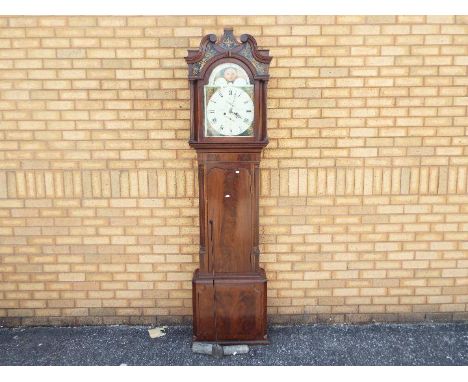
229,216
229,288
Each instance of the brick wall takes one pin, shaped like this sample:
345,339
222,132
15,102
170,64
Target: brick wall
364,204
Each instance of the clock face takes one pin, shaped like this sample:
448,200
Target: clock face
230,111
229,106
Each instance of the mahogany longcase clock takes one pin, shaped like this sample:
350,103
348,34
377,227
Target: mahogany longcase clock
228,83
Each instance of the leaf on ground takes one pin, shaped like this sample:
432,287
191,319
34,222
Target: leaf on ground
157,332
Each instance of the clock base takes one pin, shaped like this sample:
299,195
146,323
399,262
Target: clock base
228,309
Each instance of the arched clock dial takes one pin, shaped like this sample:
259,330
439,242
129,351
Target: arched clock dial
230,111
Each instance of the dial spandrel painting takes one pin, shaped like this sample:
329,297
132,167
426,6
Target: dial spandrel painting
229,106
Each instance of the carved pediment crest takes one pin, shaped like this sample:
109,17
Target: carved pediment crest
228,45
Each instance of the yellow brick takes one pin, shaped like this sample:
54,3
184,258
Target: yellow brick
291,41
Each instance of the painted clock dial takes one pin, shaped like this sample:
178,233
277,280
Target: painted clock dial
229,106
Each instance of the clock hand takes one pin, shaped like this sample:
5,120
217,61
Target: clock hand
230,112
232,101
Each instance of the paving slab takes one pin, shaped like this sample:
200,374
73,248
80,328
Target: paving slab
375,344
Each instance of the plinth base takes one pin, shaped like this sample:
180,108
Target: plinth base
230,309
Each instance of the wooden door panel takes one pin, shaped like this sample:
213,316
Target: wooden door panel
229,226
203,310
239,310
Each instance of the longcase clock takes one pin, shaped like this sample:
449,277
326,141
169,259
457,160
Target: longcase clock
228,84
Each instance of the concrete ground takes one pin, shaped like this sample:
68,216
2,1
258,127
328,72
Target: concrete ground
376,344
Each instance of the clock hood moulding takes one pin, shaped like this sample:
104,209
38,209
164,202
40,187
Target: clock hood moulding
228,46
